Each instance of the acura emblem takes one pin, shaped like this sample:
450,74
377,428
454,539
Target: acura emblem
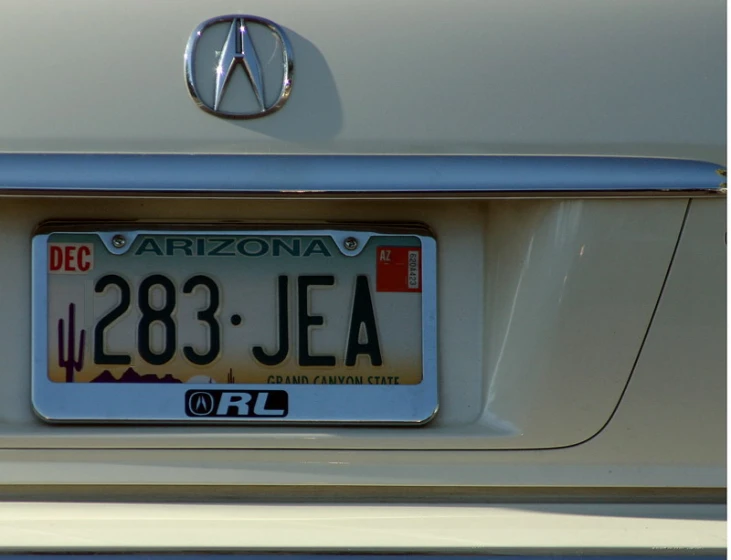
210,85
200,403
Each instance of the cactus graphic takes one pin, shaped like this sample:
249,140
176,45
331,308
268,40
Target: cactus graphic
67,362
230,378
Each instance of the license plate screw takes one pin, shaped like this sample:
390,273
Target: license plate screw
119,241
350,244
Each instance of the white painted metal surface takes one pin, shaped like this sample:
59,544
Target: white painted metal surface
378,76
634,449
560,367
528,528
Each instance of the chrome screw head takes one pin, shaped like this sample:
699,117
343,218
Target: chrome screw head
350,244
119,241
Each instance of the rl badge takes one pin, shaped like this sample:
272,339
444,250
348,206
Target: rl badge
236,404
237,325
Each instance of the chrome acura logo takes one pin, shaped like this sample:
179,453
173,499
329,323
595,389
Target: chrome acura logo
210,85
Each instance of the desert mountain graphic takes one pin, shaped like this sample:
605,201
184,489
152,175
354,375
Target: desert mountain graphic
131,376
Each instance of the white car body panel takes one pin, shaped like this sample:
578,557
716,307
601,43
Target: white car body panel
581,340
512,529
405,76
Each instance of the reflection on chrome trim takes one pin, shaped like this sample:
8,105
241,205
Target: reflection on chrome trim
322,176
404,555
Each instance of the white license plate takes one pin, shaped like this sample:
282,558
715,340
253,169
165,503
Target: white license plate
201,324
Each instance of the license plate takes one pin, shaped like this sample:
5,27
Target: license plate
295,324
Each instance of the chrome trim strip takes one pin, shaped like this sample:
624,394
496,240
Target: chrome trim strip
335,176
560,554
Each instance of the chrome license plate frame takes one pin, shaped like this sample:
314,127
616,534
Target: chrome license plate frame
264,403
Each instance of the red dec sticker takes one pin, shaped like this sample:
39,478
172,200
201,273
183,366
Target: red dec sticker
398,269
70,258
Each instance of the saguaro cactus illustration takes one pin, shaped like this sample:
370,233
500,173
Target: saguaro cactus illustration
67,360
230,378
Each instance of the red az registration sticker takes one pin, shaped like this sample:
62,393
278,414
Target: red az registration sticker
398,269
